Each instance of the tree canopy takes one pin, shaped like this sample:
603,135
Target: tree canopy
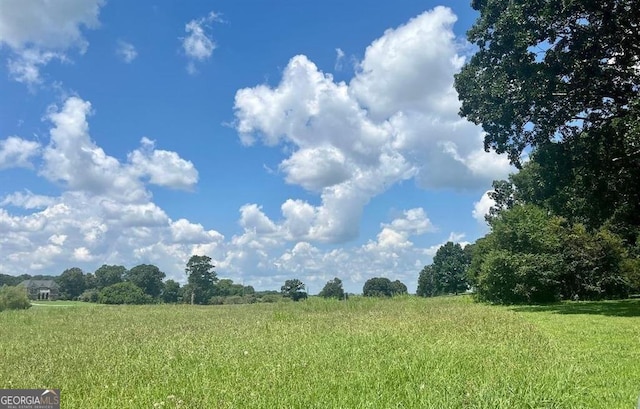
333,289
72,283
148,277
549,69
108,275
201,278
447,274
294,289
383,287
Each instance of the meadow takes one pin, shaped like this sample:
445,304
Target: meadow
405,352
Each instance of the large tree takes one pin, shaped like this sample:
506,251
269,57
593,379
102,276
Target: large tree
294,289
107,275
201,278
71,282
548,70
148,277
171,291
448,272
333,289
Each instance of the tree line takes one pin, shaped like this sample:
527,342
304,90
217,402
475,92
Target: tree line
145,284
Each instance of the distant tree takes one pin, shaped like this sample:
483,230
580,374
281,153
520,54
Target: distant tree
90,295
294,289
123,293
72,283
226,288
398,288
171,291
448,272
90,281
148,277
201,280
333,289
8,280
109,275
428,283
383,287
13,298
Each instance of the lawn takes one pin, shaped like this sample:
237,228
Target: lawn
364,353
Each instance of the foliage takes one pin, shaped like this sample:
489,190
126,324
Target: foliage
560,79
270,298
108,275
333,289
201,280
531,257
549,69
90,281
13,298
123,293
226,287
171,291
593,265
294,289
72,283
383,287
148,277
447,274
10,280
91,295
594,181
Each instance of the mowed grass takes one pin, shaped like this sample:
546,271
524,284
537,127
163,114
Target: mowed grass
364,353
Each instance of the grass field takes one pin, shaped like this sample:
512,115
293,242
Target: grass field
365,353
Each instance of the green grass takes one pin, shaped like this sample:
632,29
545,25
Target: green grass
365,353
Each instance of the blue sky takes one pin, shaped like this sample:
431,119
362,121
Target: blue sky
283,139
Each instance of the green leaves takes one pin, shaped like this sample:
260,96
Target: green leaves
333,289
294,289
549,69
447,274
201,278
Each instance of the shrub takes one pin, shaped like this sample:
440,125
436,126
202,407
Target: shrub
13,298
89,296
123,293
270,298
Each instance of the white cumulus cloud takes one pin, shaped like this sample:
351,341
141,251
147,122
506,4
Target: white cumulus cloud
38,31
17,152
397,119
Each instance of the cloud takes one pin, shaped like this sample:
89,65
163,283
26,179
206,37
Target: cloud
339,58
105,213
346,143
40,31
75,160
27,200
163,168
481,208
17,152
126,51
198,44
397,119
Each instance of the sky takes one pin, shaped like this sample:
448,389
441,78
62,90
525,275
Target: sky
283,139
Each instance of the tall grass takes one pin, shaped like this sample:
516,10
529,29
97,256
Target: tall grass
363,353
